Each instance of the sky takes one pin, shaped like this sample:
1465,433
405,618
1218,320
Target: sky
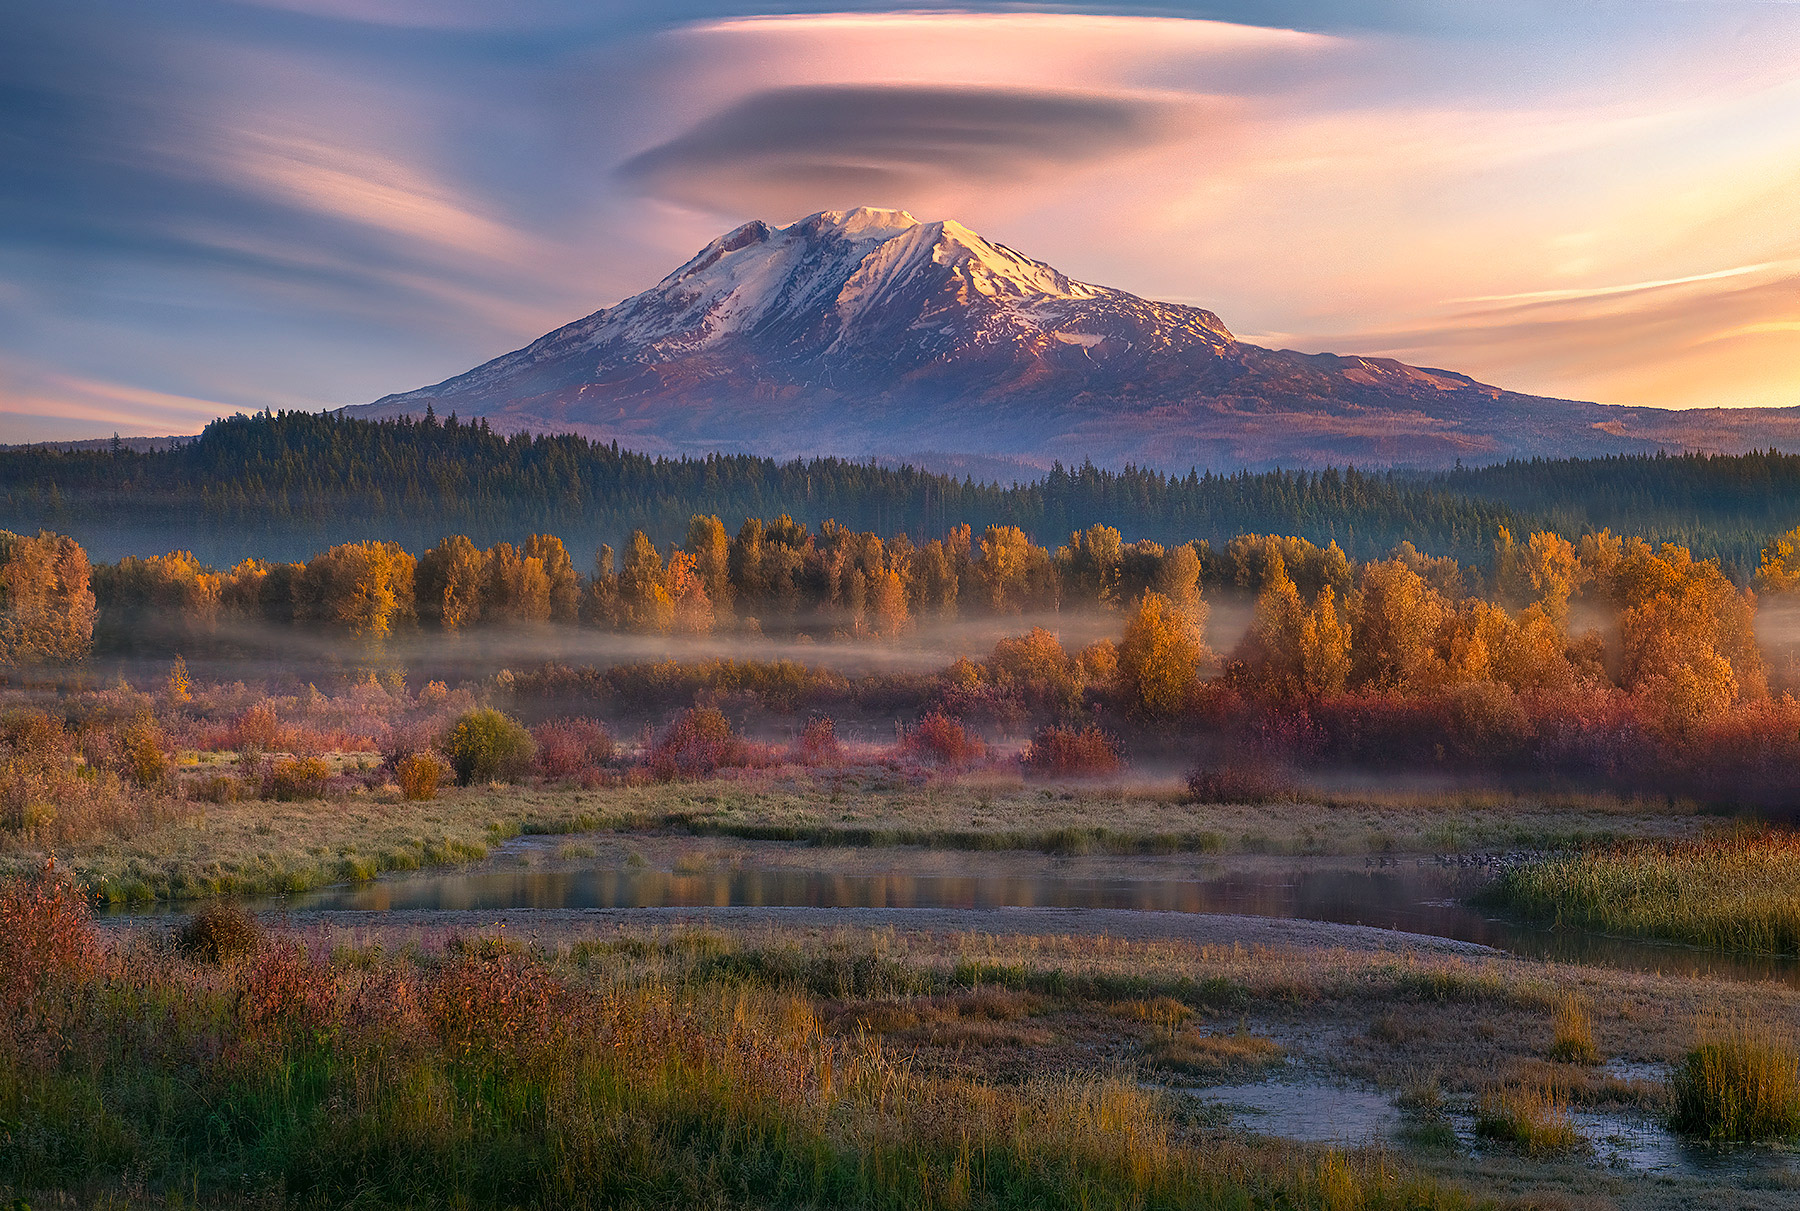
209,207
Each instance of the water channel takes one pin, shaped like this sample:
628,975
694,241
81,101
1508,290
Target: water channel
1420,896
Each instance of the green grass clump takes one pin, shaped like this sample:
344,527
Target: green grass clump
1573,1042
1533,1120
1741,1085
1738,893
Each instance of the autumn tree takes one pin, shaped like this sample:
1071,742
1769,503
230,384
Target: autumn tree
1687,637
448,583
644,601
1545,571
162,599
1178,578
1089,566
563,586
1159,658
691,610
515,588
1780,570
1036,667
602,604
711,552
934,586
46,600
1324,647
365,588
887,612
1269,658
1394,622
1014,572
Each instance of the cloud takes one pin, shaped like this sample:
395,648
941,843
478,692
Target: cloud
93,407
1726,339
808,146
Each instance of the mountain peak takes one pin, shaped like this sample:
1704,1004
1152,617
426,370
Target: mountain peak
863,222
869,330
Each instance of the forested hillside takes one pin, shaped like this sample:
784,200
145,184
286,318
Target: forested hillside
284,486
1718,505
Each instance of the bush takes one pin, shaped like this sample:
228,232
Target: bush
1739,1086
818,743
259,730
1240,783
146,763
419,775
485,745
697,743
295,778
1066,752
937,737
219,933
216,788
569,748
46,938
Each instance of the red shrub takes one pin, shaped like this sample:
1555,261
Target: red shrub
696,744
937,737
259,730
47,939
1066,752
818,743
1241,782
489,1009
569,748
284,991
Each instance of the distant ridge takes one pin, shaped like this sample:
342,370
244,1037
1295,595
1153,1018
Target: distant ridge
869,333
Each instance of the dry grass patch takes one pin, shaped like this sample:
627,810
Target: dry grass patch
1573,1041
1216,1055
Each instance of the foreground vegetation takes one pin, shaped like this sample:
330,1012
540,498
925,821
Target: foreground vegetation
224,1065
483,1076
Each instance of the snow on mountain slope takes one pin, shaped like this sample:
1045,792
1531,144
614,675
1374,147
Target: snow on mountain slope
867,331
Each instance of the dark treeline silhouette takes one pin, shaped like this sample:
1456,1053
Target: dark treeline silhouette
285,486
1722,506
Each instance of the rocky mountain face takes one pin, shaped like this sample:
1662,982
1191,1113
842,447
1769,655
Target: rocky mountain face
867,332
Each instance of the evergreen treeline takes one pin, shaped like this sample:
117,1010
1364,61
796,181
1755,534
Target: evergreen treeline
284,486
1723,506
287,485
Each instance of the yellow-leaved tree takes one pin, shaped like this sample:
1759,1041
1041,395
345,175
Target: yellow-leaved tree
1160,658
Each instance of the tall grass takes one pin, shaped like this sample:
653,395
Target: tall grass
1739,1085
1736,893
1532,1119
486,1077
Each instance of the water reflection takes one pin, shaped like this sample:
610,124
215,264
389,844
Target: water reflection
1424,899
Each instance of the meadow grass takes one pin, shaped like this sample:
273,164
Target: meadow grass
1739,892
1739,1084
485,1075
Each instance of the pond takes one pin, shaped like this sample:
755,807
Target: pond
1418,896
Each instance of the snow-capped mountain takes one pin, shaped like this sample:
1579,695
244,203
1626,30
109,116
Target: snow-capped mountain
868,332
